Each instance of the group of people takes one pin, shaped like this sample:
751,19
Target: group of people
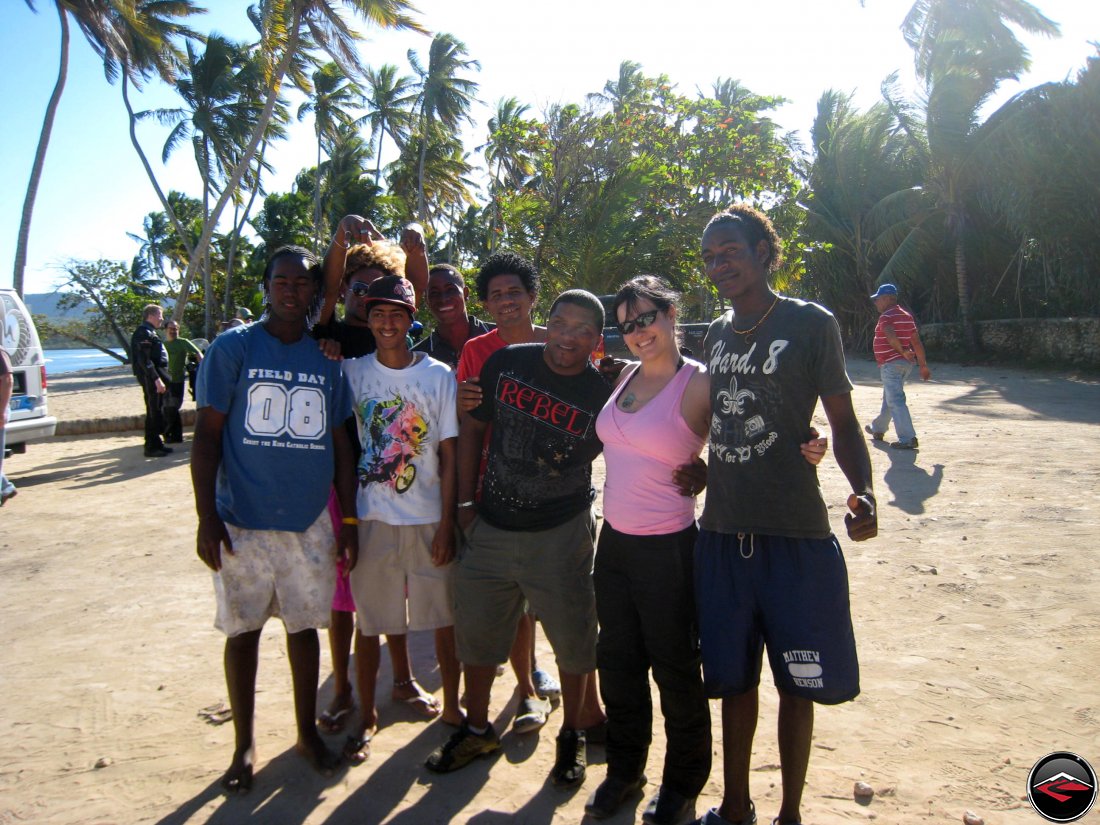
161,368
347,478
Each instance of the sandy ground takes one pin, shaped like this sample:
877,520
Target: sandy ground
977,613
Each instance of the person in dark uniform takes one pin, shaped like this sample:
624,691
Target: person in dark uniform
149,360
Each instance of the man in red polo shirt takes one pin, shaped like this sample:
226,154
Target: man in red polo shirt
897,348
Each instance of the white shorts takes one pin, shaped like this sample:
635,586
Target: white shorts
395,585
276,573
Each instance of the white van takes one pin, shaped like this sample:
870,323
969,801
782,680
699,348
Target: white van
28,419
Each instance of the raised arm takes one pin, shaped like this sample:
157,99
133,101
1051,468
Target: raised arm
851,454
351,230
416,260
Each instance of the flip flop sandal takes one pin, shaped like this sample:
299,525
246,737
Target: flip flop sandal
331,722
357,748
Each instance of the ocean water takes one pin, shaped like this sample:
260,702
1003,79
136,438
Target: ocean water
60,361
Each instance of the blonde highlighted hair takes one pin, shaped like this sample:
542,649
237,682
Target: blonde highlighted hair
383,255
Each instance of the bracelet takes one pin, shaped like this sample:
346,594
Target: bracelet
350,520
464,504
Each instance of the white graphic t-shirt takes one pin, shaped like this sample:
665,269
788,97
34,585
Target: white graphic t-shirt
403,415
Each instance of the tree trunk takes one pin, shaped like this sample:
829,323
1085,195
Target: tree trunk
246,156
238,227
421,205
970,333
317,200
378,164
168,210
40,156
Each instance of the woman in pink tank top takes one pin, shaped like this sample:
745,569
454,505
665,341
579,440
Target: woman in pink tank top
655,421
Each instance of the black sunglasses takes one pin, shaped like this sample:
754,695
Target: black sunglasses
640,322
359,289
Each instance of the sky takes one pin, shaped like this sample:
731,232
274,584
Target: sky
94,190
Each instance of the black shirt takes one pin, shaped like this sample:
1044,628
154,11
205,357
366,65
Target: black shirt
440,350
539,471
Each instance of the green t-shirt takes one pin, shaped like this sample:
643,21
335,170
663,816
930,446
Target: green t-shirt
763,393
178,352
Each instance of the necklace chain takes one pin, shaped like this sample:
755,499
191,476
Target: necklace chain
756,326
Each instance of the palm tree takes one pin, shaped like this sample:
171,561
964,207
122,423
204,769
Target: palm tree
214,118
126,36
292,31
333,99
349,188
859,158
963,49
444,97
627,88
507,154
389,109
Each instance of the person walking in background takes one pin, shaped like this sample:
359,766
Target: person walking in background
897,348
149,360
769,573
180,352
270,442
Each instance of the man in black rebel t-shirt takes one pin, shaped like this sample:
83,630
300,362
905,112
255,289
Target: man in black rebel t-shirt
531,534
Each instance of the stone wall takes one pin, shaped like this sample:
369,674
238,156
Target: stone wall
1069,341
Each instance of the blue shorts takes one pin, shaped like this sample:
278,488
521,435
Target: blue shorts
788,594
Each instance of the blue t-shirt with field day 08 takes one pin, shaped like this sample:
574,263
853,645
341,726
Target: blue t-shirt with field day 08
283,403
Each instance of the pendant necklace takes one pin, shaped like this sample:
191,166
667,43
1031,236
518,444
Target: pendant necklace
747,333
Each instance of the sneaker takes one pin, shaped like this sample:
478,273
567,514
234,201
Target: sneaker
531,714
911,444
667,807
611,794
875,436
546,686
462,748
569,763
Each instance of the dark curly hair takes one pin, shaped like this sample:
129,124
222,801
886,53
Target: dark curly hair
757,227
507,263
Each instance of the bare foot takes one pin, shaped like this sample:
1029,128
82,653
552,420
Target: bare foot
313,749
337,715
238,779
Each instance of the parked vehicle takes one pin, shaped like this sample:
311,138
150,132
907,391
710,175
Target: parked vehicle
28,419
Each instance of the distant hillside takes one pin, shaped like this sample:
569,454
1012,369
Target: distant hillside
45,303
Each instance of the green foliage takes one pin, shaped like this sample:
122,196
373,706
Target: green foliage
625,186
117,300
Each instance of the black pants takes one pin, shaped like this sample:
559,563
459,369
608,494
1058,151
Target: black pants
154,421
172,401
646,607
